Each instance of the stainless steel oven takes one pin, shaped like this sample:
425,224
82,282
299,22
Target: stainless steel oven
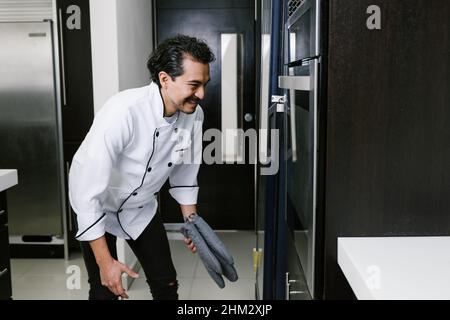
301,84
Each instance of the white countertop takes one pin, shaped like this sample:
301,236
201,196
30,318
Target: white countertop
394,268
8,179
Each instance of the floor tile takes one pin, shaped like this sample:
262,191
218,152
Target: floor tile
207,289
46,287
184,260
240,245
140,291
21,266
56,266
47,278
35,294
46,282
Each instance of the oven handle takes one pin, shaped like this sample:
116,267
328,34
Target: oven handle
302,83
292,83
293,124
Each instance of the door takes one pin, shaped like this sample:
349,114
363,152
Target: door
226,197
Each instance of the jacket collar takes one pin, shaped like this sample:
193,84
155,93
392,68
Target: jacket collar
157,106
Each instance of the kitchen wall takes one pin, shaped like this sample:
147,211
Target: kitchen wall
121,35
135,42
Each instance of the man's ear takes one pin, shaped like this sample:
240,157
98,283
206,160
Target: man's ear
164,78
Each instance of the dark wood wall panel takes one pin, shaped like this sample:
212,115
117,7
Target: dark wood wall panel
388,149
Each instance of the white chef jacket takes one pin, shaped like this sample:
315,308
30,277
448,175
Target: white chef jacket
126,157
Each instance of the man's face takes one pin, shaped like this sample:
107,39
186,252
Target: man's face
187,90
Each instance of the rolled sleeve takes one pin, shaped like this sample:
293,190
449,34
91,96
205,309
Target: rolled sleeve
93,227
184,195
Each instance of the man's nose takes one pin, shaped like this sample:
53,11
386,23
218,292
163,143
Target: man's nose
200,93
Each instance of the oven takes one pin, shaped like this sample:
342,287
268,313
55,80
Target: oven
300,82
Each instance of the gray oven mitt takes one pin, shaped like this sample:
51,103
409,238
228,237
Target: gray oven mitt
211,249
217,247
211,263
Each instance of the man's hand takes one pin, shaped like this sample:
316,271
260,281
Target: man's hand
190,245
110,269
111,276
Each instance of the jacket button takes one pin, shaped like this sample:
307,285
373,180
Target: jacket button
176,129
157,134
135,194
170,164
149,169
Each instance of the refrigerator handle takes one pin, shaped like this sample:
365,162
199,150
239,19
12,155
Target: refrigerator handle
63,67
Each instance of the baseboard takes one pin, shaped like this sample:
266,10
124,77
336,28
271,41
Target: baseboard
36,251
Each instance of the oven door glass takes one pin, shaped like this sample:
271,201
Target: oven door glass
301,168
302,30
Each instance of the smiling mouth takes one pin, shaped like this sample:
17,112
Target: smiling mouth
193,102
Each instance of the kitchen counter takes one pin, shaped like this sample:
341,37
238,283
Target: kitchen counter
396,268
8,179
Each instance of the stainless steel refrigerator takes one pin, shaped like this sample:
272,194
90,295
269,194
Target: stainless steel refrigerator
30,132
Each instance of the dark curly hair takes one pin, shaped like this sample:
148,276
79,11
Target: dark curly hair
168,56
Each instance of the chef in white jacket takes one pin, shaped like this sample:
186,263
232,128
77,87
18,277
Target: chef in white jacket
139,139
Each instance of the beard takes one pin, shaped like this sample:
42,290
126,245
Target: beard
189,105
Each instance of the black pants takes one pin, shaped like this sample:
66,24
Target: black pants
153,252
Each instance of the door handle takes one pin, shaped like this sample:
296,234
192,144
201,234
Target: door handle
288,285
279,101
2,273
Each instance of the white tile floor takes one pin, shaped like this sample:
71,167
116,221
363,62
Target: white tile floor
46,279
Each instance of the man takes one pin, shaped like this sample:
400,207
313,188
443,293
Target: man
139,139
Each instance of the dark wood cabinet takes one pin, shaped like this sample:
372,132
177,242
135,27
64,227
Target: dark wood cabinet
388,126
5,264
383,123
